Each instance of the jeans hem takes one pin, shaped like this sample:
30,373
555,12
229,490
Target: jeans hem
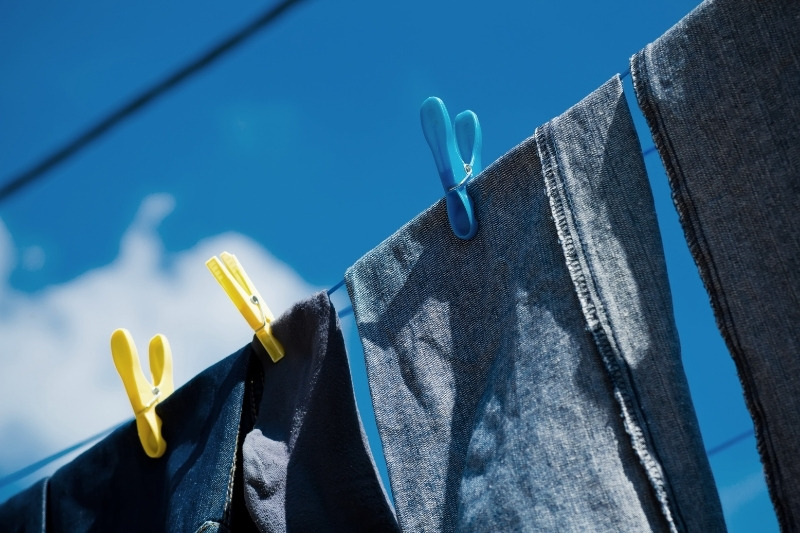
594,313
696,241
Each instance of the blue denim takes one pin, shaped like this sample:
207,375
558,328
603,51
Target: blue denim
114,486
307,465
530,379
721,93
26,512
206,479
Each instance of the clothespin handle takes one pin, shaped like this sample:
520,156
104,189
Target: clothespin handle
470,140
455,164
438,131
231,276
143,395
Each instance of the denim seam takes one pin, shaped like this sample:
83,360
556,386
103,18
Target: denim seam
45,490
696,241
226,514
253,403
592,311
606,325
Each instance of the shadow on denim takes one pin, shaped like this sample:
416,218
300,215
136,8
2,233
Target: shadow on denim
307,465
208,480
495,405
721,93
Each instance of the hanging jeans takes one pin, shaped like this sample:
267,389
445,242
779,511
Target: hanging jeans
721,93
304,465
530,378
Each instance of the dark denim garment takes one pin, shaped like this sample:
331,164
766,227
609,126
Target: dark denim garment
721,92
114,486
198,484
306,463
26,512
529,379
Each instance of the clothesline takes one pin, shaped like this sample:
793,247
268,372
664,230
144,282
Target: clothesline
38,465
349,309
145,98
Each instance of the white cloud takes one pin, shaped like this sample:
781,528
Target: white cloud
58,384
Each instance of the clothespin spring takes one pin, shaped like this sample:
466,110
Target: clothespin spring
468,171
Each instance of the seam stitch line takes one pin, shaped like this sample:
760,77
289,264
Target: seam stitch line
695,239
226,518
555,190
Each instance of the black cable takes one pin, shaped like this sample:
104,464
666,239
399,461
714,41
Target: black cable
730,442
146,97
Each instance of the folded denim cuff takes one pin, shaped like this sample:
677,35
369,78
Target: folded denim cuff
604,214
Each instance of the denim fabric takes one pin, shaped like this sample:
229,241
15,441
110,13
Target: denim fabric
721,92
307,465
530,378
26,511
199,483
114,486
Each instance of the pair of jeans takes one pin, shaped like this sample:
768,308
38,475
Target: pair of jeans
530,378
291,458
721,93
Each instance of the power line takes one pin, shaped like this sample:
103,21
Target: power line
149,95
730,442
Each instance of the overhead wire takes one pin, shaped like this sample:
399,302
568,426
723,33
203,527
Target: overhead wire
78,143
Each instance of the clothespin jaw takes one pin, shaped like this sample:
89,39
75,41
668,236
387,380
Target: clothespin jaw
143,395
237,285
456,163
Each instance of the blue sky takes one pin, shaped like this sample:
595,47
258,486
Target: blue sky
299,152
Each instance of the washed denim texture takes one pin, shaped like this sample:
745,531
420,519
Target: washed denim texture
114,486
721,93
530,378
26,512
199,483
306,463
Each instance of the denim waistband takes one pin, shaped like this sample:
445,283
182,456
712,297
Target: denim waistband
530,378
721,93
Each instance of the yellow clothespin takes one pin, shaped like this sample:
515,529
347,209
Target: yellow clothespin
143,395
229,273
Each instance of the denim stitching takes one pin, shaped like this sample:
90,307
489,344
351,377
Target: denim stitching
555,190
695,239
226,515
605,322
45,487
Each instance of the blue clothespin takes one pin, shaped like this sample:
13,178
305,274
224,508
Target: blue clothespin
456,164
